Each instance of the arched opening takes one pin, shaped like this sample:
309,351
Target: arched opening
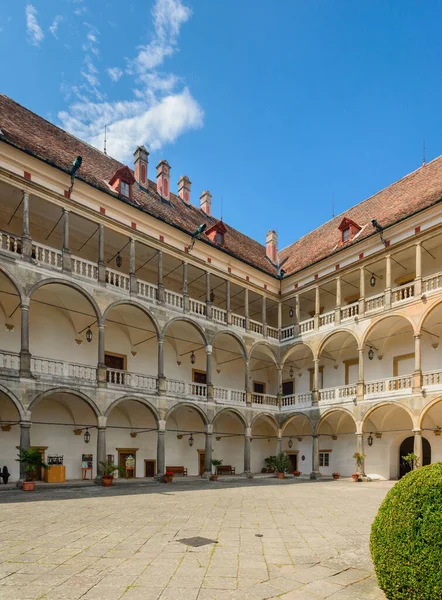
9,436
228,439
338,368
406,447
63,332
131,432
337,443
263,375
185,359
297,442
431,425
228,369
297,376
131,348
431,347
60,421
389,359
9,323
185,439
386,424
265,441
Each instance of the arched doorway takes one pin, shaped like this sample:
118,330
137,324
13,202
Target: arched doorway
297,441
9,435
337,442
263,375
297,376
265,441
185,440
228,368
338,367
407,446
228,439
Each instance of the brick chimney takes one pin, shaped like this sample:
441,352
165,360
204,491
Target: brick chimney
141,156
271,245
163,179
184,188
206,202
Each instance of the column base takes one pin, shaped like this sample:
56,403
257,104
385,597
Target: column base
206,475
25,364
98,480
102,274
248,474
133,284
315,475
66,261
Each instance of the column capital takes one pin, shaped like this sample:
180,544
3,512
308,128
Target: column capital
102,421
25,424
25,304
417,431
248,432
209,348
417,336
209,429
161,426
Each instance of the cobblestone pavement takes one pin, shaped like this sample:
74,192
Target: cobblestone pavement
291,539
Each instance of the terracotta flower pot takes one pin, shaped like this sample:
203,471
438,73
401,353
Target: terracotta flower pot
214,477
107,480
167,478
281,475
336,476
296,473
28,486
355,478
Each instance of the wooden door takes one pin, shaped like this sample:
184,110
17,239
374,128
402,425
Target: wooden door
123,455
202,461
114,361
199,376
149,468
294,461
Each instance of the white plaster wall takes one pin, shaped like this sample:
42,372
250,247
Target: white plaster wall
303,448
146,360
230,448
9,440
179,453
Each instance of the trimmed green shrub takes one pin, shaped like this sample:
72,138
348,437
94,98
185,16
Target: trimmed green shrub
406,537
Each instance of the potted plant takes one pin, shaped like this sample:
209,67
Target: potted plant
31,459
282,464
355,476
269,464
336,475
412,460
216,462
359,458
109,468
168,477
296,473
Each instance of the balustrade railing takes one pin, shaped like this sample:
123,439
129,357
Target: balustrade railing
147,290
238,321
219,315
403,292
9,360
264,400
47,256
349,311
327,318
117,279
287,333
174,299
197,308
306,326
84,268
129,379
374,303
255,326
336,394
432,283
58,368
296,400
186,388
228,396
10,242
272,332
430,378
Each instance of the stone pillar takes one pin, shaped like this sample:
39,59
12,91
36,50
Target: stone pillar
101,447
209,372
25,443
418,278
360,449
228,309
361,291
338,301
208,302
417,375
101,371
247,464
101,265
297,314
66,253
246,308
133,278
26,241
208,453
361,386
317,307
161,376
315,395
387,302
279,319
25,355
315,474
161,449
418,446
247,383
161,297
280,376
264,316
279,443
185,291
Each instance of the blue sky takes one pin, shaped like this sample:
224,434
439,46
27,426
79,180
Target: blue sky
275,107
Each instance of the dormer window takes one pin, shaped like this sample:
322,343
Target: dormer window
349,229
122,182
216,233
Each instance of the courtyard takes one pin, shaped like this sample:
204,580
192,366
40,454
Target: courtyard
267,539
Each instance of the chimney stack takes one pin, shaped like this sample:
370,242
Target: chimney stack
140,164
271,245
184,188
206,202
163,179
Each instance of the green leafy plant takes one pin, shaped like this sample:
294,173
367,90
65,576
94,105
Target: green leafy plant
110,467
412,460
282,463
359,458
31,459
216,462
406,540
269,463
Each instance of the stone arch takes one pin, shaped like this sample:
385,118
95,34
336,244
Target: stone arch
235,336
267,346
293,347
73,285
195,407
336,409
268,416
184,319
290,418
426,314
372,409
15,401
420,418
129,302
142,401
67,390
14,282
383,318
334,333
231,410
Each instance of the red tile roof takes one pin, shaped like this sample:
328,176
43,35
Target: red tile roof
33,134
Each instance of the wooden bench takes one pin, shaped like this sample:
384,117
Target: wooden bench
178,470
225,469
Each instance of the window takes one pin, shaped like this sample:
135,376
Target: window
125,189
324,459
219,238
259,388
288,388
346,234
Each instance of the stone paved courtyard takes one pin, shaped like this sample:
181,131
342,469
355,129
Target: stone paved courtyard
294,540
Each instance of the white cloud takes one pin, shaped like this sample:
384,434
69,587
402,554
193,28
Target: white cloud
157,114
54,27
114,73
34,30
